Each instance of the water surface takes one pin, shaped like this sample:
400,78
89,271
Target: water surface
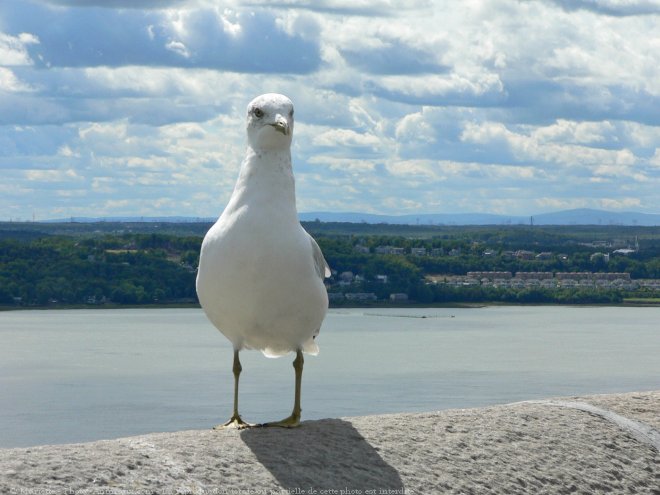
79,375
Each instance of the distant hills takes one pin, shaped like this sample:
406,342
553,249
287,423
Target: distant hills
134,219
582,216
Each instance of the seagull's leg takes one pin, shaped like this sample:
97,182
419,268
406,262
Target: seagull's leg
235,421
293,420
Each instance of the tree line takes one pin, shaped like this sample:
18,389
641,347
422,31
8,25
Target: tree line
155,268
130,269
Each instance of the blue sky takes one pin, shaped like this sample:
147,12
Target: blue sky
137,107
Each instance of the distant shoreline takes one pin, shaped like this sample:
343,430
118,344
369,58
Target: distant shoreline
632,303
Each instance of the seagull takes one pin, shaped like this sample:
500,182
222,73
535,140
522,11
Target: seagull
260,276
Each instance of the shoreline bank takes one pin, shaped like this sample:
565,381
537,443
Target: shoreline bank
636,303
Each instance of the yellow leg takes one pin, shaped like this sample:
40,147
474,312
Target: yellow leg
235,421
293,420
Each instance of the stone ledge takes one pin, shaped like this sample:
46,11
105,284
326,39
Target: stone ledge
549,446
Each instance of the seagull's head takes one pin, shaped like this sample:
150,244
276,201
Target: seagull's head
270,122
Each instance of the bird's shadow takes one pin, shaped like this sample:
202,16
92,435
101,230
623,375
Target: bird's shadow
326,455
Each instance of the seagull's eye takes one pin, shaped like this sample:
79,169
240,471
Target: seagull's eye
291,113
258,112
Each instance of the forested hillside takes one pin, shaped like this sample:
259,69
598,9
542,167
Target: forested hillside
100,264
129,269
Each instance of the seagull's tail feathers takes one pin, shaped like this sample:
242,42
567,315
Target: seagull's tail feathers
269,352
309,347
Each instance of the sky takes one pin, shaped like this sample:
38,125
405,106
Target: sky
137,107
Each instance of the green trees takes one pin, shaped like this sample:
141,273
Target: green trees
93,267
109,269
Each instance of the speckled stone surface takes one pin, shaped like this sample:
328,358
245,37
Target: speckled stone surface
518,448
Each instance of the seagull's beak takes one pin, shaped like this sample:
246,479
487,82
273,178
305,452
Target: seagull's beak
281,125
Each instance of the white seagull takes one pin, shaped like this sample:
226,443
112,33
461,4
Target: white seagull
260,278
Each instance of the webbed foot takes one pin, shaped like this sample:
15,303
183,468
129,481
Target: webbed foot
292,421
235,422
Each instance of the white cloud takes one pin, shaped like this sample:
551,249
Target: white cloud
13,49
415,170
11,84
111,133
70,193
612,7
550,204
620,203
402,205
178,48
52,175
338,138
346,165
413,127
488,132
576,132
655,159
443,87
551,144
66,151
230,23
450,106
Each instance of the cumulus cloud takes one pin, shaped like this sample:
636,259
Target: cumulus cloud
577,132
368,8
540,146
415,170
503,106
52,175
14,49
620,203
346,138
97,36
414,128
127,4
10,83
655,159
392,57
612,7
441,90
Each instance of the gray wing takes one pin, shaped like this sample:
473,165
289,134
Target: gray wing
322,268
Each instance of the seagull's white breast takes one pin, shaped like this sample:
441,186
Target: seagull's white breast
258,281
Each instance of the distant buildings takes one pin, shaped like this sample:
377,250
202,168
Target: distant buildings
489,275
399,297
390,250
352,287
547,280
522,254
360,296
399,251
624,251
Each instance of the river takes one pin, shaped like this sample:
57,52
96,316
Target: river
79,375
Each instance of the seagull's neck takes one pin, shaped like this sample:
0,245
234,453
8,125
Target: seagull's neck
266,181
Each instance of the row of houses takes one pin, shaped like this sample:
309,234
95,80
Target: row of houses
414,251
364,297
546,280
422,251
493,275
347,278
520,254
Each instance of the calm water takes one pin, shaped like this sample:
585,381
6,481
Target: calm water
69,376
